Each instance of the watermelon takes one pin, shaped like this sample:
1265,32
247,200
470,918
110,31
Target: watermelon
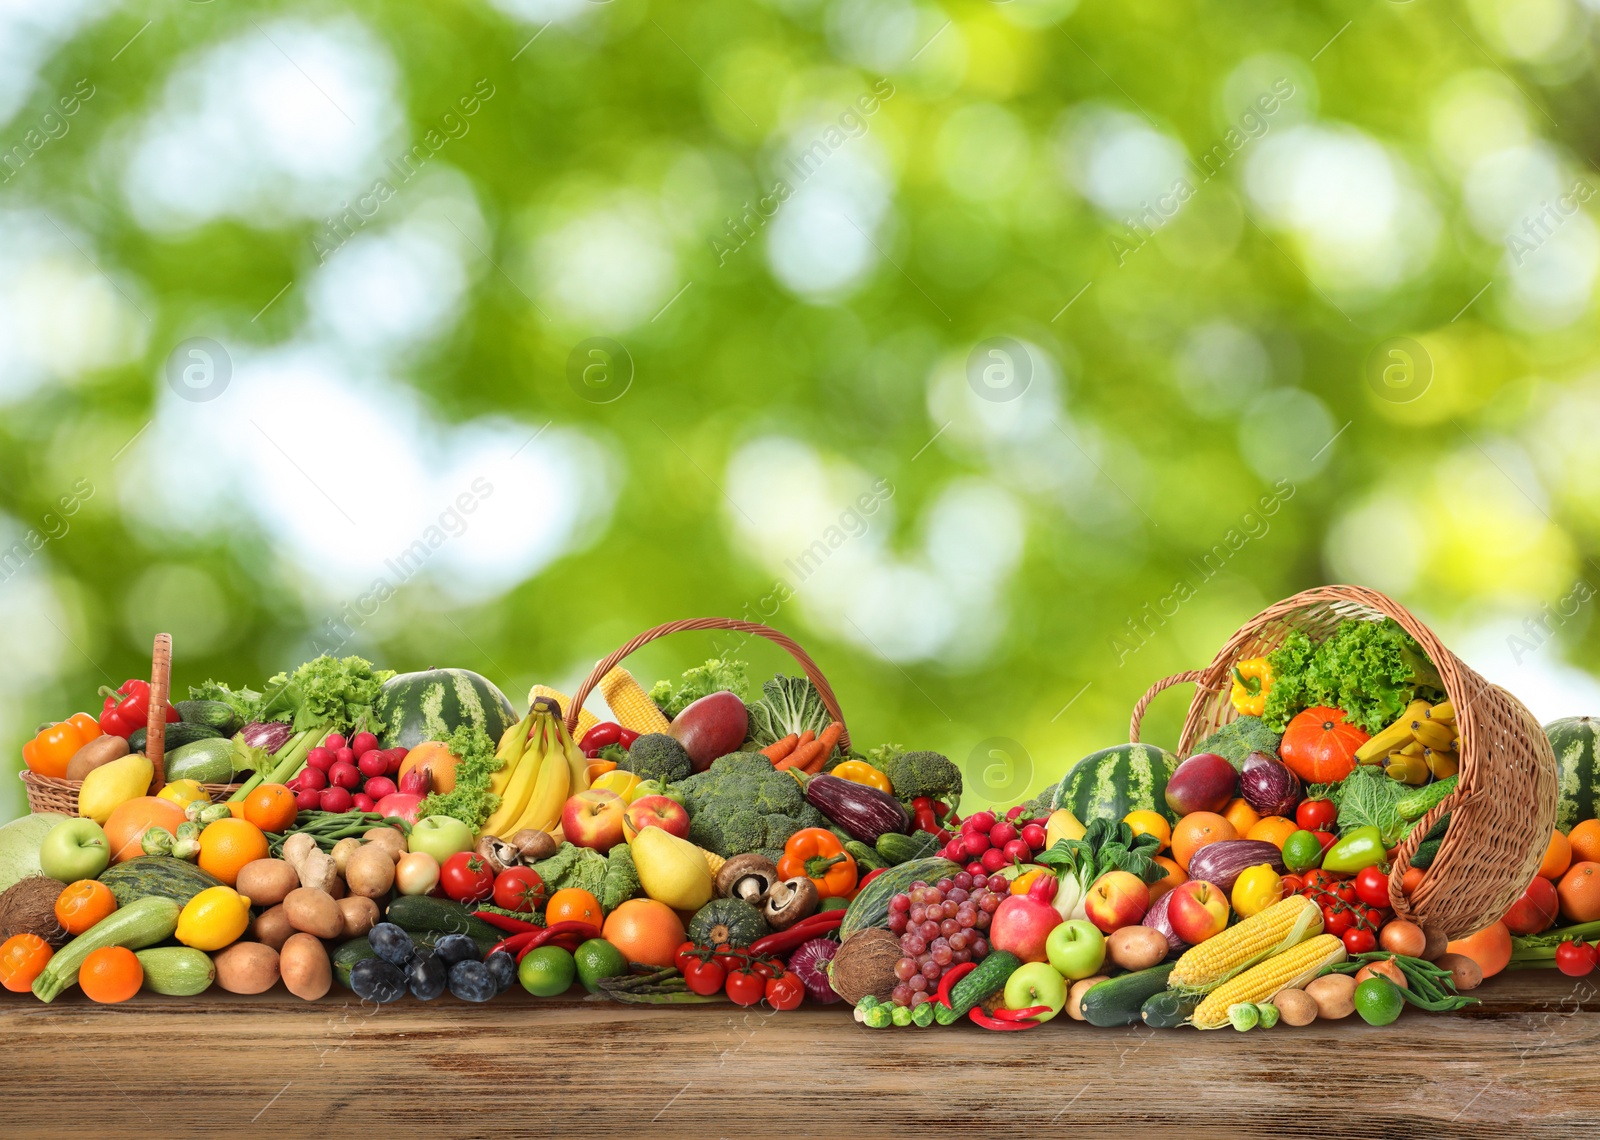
433,703
1574,741
1114,781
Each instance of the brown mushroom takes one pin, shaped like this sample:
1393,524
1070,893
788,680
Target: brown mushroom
746,877
534,844
791,900
497,853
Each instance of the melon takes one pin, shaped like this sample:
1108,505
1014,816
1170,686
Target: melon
433,703
1574,742
1114,781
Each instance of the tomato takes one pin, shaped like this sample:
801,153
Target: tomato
518,888
1336,919
465,877
766,968
785,991
1319,882
684,955
745,987
730,958
1372,886
1372,918
1292,885
1575,959
1316,815
1344,891
1359,940
704,978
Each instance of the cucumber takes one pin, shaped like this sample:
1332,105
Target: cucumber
179,733
141,923
894,848
208,761
177,971
417,914
870,907
212,714
1168,1009
1119,1000
159,876
989,978
867,859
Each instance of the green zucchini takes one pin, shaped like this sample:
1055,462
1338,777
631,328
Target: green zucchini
867,859
418,914
178,971
989,978
141,923
1168,1009
159,876
179,733
213,714
894,848
1119,1000
209,761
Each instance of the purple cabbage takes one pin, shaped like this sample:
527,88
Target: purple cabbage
1268,785
270,735
810,964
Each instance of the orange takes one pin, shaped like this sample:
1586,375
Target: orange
1490,948
23,958
645,931
1175,877
1585,841
127,823
111,974
1273,829
1241,815
271,807
1150,823
572,905
227,845
1197,829
83,904
1579,892
1557,857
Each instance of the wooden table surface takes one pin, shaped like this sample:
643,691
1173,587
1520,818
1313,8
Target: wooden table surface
1526,1063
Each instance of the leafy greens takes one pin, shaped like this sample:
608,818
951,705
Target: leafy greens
470,800
719,674
1105,846
1367,797
334,693
787,704
244,702
1371,670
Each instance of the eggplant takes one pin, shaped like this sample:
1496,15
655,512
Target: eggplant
1269,786
1221,863
269,735
861,812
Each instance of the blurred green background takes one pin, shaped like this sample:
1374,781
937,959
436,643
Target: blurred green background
1008,355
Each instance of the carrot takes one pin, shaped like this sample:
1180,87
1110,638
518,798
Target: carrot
806,738
778,749
810,757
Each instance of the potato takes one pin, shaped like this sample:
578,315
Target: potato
100,750
342,851
246,968
1466,973
1333,994
370,872
1296,1007
307,973
313,912
360,916
1435,945
267,882
389,837
337,888
1075,996
1137,947
271,927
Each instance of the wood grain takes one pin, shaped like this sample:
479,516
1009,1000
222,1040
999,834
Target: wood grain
1523,1064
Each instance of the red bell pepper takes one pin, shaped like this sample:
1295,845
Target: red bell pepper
127,709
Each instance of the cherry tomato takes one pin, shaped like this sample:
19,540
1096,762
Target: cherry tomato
746,987
1345,892
1371,918
1336,919
1372,886
518,888
704,978
1316,815
465,877
1576,959
1359,940
1319,882
786,991
685,954
1292,885
730,958
766,968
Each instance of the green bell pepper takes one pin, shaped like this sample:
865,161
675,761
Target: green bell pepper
1360,848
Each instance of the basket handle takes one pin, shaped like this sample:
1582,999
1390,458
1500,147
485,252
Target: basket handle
155,735
1408,847
784,641
1194,676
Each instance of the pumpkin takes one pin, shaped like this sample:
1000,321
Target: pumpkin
1320,745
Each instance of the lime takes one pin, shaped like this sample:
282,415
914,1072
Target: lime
598,959
1302,851
546,971
1378,1001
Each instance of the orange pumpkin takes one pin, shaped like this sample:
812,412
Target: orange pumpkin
1320,745
434,759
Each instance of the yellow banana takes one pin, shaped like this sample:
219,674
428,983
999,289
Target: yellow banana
1415,748
1444,712
1442,764
577,763
512,744
1395,736
549,794
1439,737
514,800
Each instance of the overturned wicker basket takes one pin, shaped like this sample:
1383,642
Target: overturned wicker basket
1503,808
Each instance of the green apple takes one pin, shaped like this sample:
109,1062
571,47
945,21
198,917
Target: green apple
657,788
1036,983
75,849
1076,949
440,836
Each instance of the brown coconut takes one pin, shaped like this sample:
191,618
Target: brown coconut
865,965
28,906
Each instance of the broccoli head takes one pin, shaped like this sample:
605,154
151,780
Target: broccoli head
1238,738
923,774
657,756
742,804
622,878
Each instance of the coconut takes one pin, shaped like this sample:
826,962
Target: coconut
29,907
865,965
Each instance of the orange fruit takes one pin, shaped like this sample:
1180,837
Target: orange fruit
271,807
1197,829
1557,857
127,823
110,974
1579,892
1175,877
1585,841
645,931
1241,815
227,845
572,905
1490,948
1273,829
23,958
1150,823
83,904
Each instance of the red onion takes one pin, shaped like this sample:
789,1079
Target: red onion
809,961
270,735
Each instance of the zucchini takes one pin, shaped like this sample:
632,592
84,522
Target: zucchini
870,907
213,714
894,848
417,914
179,733
141,923
159,876
989,978
209,761
1119,1000
867,859
177,971
1169,1009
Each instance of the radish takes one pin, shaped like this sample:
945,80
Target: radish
373,763
379,786
335,799
361,801
362,743
343,775
319,758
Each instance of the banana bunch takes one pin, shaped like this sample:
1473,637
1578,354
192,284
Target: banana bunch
540,767
1420,744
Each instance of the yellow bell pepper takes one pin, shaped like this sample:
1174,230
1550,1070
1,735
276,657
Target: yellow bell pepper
1252,681
860,772
183,792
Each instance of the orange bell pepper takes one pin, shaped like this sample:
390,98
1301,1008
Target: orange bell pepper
816,854
48,753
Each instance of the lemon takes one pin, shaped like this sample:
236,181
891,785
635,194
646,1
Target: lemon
625,784
184,792
214,918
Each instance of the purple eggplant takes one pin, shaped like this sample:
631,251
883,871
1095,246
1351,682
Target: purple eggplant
1269,786
269,735
861,812
1221,863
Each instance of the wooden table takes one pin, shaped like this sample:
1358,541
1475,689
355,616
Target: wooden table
1525,1064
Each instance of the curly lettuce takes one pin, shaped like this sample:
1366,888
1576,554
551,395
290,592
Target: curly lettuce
1371,670
719,674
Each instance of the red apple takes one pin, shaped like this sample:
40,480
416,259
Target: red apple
711,727
1198,910
1204,782
1536,910
593,819
655,811
1021,925
1117,899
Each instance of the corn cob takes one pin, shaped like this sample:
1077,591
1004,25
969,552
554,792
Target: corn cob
1284,924
586,719
1289,970
713,860
630,704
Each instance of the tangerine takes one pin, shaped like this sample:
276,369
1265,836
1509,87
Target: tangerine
572,905
227,845
1579,891
1557,857
645,931
1273,829
111,974
83,904
1241,815
1585,841
1150,823
271,807
1195,831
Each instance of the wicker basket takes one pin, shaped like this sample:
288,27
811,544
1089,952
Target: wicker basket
1503,808
813,674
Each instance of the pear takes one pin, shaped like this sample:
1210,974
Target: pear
112,784
671,870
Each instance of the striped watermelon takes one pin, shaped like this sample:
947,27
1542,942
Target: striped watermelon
1574,741
432,704
1114,781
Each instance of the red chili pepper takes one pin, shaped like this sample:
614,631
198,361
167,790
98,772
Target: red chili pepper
806,929
513,944
506,922
978,1017
585,931
602,734
951,976
1020,1014
869,876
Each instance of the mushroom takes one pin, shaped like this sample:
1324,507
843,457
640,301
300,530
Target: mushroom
497,853
791,900
533,844
747,877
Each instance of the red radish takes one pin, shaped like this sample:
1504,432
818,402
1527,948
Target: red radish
363,742
379,786
307,799
1034,835
993,859
320,758
397,757
976,844
976,868
1017,851
344,756
373,763
336,799
313,779
343,775
361,801
1001,834
979,821
1011,815
334,742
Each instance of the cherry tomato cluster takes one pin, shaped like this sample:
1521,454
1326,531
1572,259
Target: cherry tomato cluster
1354,908
746,978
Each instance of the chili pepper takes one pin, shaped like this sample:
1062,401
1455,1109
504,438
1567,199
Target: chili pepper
506,922
951,976
49,752
817,854
1360,848
869,876
127,709
602,734
1252,681
1027,1014
978,1017
513,944
860,772
782,941
539,937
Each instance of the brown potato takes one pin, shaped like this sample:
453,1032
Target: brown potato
1137,947
342,851
271,927
313,912
388,836
360,916
1333,994
337,888
267,882
370,872
1075,995
1296,1007
246,968
100,750
1466,973
307,973
1436,944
